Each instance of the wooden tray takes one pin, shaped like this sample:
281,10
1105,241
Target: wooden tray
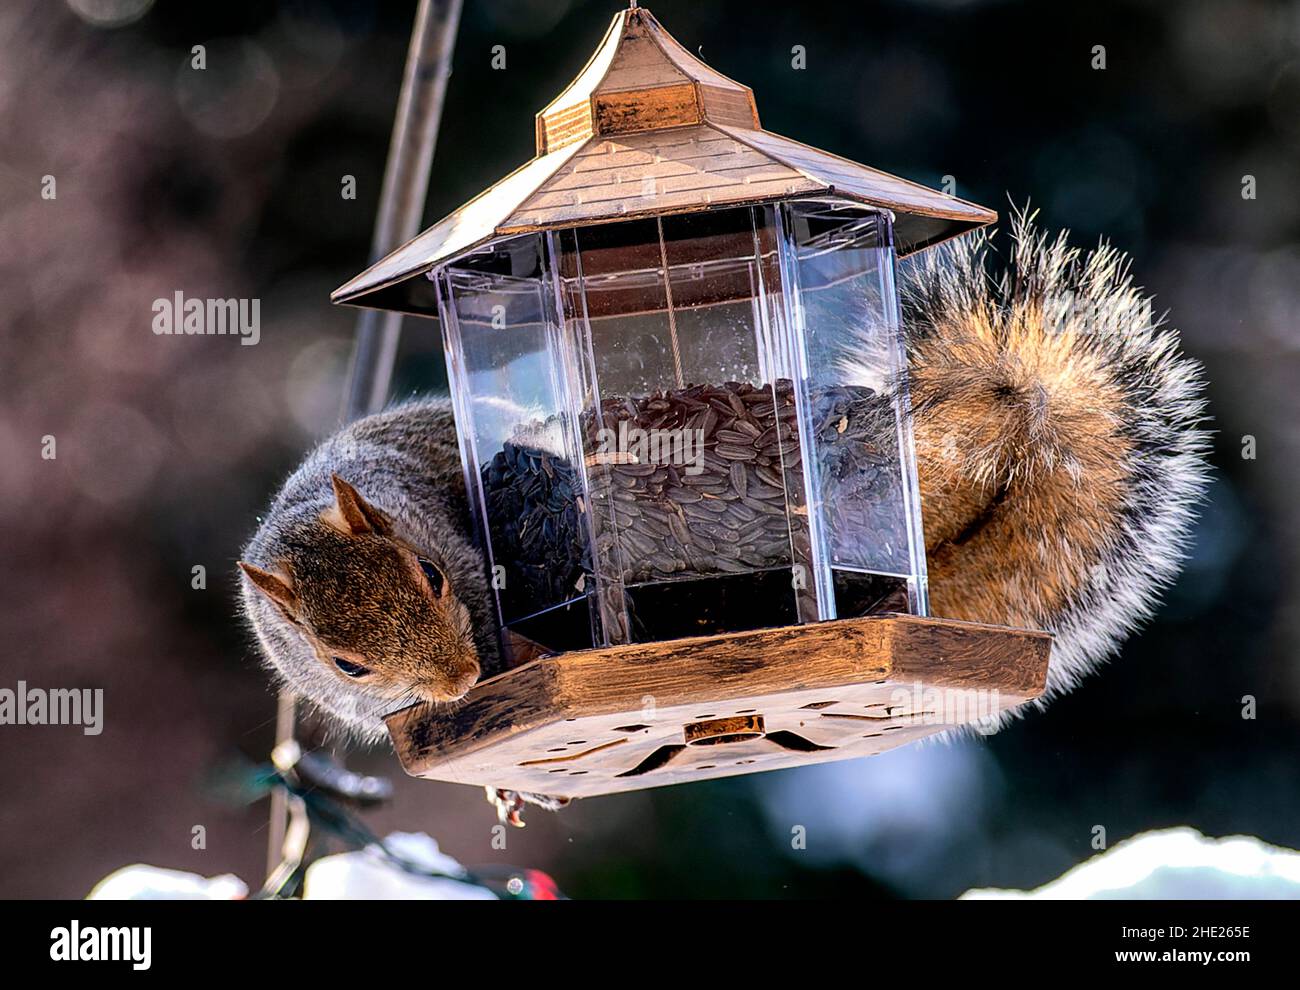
644,715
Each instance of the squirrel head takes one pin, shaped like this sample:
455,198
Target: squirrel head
379,612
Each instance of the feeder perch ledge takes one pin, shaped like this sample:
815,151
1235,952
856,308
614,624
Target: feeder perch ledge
643,715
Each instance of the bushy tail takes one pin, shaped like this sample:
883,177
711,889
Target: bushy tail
1059,441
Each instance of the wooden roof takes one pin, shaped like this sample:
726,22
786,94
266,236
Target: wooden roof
641,78
647,129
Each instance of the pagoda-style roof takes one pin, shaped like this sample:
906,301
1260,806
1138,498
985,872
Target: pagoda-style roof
648,129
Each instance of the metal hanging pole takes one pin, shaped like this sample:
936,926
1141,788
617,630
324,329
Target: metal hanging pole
401,207
401,203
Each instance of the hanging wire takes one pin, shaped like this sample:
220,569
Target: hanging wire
668,297
313,811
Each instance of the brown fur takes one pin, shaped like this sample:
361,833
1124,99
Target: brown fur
1018,460
1058,440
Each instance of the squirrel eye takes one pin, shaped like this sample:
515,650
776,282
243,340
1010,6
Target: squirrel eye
351,669
433,576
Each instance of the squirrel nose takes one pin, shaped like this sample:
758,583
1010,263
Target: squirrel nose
450,687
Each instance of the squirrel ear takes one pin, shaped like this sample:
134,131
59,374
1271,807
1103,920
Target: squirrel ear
276,588
351,514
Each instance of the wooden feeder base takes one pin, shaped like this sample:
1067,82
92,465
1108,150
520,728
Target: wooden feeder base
624,718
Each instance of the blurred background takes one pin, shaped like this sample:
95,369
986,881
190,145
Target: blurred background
226,182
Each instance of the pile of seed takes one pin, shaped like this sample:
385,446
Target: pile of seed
534,517
731,516
738,508
859,477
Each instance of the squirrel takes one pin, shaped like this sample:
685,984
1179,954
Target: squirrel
365,603
1059,457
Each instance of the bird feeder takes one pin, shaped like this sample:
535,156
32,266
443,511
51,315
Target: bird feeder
673,349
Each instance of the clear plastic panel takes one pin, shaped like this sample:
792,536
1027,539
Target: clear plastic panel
507,364
695,519
840,270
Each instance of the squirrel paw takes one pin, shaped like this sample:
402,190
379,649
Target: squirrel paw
510,804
